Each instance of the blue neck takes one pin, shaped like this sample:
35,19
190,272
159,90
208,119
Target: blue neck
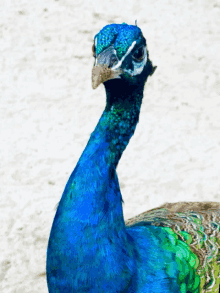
89,228
92,194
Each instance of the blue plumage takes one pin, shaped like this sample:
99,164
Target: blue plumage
122,35
91,248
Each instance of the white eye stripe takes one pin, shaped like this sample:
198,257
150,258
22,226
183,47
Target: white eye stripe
138,66
123,58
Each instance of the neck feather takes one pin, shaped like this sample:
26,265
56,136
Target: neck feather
92,191
122,114
88,230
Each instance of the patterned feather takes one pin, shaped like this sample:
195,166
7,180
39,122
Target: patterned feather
174,248
194,232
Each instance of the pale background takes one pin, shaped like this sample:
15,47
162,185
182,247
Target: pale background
48,110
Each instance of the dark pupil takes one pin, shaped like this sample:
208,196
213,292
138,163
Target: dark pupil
139,53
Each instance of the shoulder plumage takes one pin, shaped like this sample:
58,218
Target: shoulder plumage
197,224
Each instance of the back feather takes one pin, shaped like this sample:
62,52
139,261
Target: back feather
194,230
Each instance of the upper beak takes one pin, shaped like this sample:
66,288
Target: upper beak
105,67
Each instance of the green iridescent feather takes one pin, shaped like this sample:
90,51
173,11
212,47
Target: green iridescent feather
193,235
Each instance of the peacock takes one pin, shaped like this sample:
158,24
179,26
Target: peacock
91,248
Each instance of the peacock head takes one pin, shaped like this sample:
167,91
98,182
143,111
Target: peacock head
120,52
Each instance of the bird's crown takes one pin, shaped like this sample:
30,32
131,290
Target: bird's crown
121,36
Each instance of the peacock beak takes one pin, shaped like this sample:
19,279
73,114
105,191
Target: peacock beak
105,67
101,73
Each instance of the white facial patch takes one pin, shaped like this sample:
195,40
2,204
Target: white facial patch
138,66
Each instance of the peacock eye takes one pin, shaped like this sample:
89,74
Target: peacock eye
93,50
139,54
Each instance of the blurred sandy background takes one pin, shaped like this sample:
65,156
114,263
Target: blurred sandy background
48,110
